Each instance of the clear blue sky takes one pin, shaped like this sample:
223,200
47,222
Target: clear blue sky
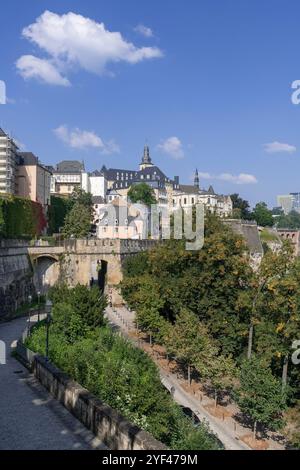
206,82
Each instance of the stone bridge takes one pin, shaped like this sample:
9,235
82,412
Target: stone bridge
79,261
25,269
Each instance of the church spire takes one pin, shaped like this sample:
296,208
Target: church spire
196,179
146,156
146,160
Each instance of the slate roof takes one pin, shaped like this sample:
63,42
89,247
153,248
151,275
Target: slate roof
28,158
98,200
191,189
69,166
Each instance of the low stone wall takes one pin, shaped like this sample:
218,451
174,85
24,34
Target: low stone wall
105,422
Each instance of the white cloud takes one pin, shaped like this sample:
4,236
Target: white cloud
279,147
173,147
144,30
205,176
242,178
44,70
81,139
74,41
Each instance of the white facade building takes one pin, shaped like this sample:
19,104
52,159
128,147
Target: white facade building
8,164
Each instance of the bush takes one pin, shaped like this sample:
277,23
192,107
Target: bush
115,371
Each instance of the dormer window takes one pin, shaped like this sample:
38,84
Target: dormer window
116,222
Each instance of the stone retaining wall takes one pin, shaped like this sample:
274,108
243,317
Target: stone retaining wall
105,422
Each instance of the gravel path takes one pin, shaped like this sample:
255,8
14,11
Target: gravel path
29,417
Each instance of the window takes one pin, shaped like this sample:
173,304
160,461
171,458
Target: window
193,200
148,177
116,229
104,229
184,201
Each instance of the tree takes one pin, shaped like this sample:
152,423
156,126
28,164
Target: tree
142,193
260,395
241,207
263,215
222,372
58,210
189,341
279,307
290,221
80,196
79,218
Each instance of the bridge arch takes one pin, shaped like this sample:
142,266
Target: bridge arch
46,271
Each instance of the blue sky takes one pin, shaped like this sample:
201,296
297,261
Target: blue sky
206,82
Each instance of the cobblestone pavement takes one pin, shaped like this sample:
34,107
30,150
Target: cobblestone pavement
29,417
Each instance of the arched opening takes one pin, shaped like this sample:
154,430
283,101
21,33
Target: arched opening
101,273
46,273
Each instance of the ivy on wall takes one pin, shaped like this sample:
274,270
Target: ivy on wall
20,217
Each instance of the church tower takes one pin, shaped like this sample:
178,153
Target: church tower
196,180
146,160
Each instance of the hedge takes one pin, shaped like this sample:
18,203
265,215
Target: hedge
20,217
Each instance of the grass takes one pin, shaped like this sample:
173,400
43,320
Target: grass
267,236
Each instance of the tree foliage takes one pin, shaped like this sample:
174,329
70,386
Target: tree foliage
290,221
260,395
142,193
263,215
119,374
241,207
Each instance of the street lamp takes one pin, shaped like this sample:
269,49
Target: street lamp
39,295
48,310
29,301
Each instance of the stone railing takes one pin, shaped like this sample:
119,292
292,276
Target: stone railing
105,422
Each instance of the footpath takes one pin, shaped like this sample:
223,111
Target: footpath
228,430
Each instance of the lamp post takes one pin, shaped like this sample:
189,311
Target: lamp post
39,296
48,309
29,302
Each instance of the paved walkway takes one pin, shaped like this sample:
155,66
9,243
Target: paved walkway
123,319
29,417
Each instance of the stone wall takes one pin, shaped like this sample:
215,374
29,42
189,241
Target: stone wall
105,422
16,278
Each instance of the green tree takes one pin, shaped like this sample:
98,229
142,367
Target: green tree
222,373
80,196
189,341
58,210
78,220
263,215
260,395
142,193
241,207
290,221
